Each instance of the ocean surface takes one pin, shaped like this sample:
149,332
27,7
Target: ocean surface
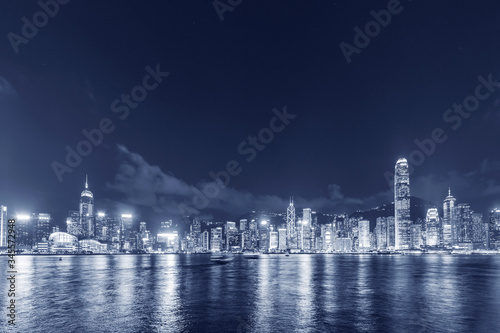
299,293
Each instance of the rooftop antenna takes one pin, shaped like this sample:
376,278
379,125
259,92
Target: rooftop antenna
86,182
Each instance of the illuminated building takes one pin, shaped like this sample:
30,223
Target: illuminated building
291,228
381,233
448,205
232,236
273,240
25,232
87,223
282,239
62,242
494,229
43,226
216,239
432,228
364,235
416,236
461,224
306,229
101,227
3,226
92,246
205,240
402,204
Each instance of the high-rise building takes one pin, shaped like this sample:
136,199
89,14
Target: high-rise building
3,226
87,221
205,240
461,224
243,224
291,229
479,231
232,236
416,236
381,233
128,240
364,235
216,239
25,232
282,233
264,235
494,229
402,204
43,226
306,226
448,205
273,240
432,228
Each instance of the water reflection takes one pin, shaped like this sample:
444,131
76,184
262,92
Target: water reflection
176,293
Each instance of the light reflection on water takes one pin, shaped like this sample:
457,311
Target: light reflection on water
300,293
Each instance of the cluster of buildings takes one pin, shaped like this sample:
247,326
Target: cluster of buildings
457,228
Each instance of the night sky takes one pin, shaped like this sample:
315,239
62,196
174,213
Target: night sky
353,120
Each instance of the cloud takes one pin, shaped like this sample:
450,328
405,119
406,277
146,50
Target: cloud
143,184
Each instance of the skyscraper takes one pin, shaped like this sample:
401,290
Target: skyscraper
43,226
306,228
402,204
291,231
87,211
448,205
461,224
3,225
494,229
432,228
364,235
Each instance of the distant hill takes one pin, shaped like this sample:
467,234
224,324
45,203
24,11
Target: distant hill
418,209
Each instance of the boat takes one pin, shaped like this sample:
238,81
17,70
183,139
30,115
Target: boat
222,258
251,255
60,259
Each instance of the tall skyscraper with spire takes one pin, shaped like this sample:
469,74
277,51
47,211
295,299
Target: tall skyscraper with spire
448,205
402,205
87,211
291,231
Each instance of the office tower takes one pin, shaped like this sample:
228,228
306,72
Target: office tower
479,231
461,224
264,235
254,237
3,226
402,204
127,233
87,222
448,205
494,229
306,229
243,225
273,240
327,237
232,237
432,228
101,227
216,239
43,226
205,240
282,233
195,234
381,233
291,229
416,236
73,226
364,235
25,232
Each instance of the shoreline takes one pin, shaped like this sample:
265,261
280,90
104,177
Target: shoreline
262,254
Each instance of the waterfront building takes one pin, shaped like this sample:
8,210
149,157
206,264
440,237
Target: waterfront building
73,224
3,226
273,240
416,236
62,242
92,246
205,241
364,235
343,245
494,229
432,228
43,226
461,224
306,225
449,204
232,236
479,231
282,232
402,205
216,239
291,228
25,232
381,233
86,213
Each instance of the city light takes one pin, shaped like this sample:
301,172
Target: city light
4,208
126,216
23,217
101,214
264,222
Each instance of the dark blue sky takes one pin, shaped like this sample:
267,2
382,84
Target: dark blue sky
353,120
